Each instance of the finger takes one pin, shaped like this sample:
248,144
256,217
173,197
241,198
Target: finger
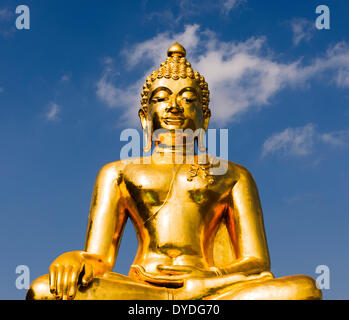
182,269
264,274
59,285
88,274
52,279
66,277
73,283
168,278
267,274
176,280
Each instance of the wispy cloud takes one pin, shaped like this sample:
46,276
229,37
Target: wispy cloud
53,112
336,138
230,5
1,89
301,141
154,50
342,78
302,29
179,12
294,141
6,26
242,76
126,98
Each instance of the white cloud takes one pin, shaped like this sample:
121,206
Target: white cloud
52,114
1,89
180,11
155,49
126,98
295,141
336,138
241,75
303,30
230,5
300,141
342,78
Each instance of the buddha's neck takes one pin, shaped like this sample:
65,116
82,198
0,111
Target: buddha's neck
173,148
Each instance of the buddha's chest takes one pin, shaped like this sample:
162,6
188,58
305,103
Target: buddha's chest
152,186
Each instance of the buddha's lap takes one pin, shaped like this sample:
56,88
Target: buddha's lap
120,287
297,287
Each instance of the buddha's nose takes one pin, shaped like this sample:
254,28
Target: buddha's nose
174,106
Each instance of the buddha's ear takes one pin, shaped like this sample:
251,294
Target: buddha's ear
143,118
207,116
147,130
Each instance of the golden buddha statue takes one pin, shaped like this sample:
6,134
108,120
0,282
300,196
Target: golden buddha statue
200,236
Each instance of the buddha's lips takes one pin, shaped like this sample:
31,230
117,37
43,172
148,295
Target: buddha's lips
174,120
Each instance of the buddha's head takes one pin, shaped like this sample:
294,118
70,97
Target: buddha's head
174,97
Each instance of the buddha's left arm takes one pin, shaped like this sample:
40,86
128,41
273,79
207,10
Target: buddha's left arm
246,227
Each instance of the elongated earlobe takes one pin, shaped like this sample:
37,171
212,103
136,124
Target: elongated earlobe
202,140
207,116
147,133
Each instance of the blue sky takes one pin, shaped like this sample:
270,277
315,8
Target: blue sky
71,84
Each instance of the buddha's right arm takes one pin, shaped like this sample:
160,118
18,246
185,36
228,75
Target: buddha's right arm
107,217
106,222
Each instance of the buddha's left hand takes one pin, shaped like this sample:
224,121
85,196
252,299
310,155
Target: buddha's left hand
174,274
188,271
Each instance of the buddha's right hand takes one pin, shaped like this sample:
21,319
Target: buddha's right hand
65,272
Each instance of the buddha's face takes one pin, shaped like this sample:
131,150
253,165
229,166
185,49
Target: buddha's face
175,104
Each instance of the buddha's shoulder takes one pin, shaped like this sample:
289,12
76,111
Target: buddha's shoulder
234,169
231,167
237,167
117,167
240,172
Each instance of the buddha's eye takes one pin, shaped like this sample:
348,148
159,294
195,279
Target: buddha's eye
188,100
188,97
159,99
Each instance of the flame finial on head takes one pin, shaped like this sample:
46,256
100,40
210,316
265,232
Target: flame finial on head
176,49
